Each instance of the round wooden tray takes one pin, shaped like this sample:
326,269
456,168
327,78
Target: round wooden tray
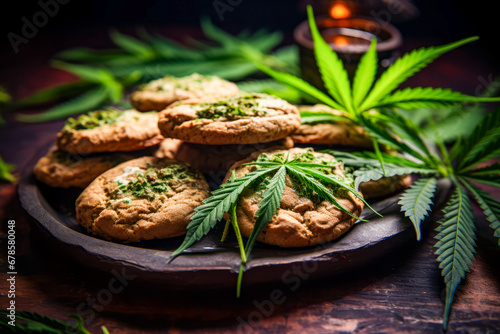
211,263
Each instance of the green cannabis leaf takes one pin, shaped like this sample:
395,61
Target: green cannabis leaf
462,118
373,104
369,98
311,175
456,243
416,201
6,171
224,55
104,74
97,88
268,206
367,94
317,117
271,87
459,163
31,322
214,207
5,98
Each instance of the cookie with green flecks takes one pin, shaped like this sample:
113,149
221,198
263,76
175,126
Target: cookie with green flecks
239,119
109,131
63,169
142,199
160,93
303,217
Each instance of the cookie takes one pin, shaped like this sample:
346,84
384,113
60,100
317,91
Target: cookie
213,158
343,133
239,119
63,170
109,131
159,94
303,219
141,199
385,186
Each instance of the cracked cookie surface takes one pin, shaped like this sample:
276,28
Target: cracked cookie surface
63,170
239,119
109,131
160,93
142,199
301,220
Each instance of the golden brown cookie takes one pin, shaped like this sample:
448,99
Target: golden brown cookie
342,133
63,169
142,199
159,94
213,158
385,186
109,131
239,119
302,219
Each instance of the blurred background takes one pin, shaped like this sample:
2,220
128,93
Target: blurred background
35,31
433,21
87,23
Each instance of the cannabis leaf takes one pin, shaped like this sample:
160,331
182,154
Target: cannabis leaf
5,98
317,187
456,245
31,322
371,103
268,206
456,231
6,171
489,205
376,173
97,87
331,68
405,67
312,175
271,87
214,207
224,55
315,117
104,74
416,201
89,100
461,118
482,145
366,93
365,74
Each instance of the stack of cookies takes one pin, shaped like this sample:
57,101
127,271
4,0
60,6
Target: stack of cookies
211,135
95,142
144,170
129,195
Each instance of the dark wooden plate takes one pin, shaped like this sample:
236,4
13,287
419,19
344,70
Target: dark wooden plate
211,263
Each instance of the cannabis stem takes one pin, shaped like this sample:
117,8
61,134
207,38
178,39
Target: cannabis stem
234,222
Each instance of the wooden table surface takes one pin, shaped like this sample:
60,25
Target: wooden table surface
401,292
